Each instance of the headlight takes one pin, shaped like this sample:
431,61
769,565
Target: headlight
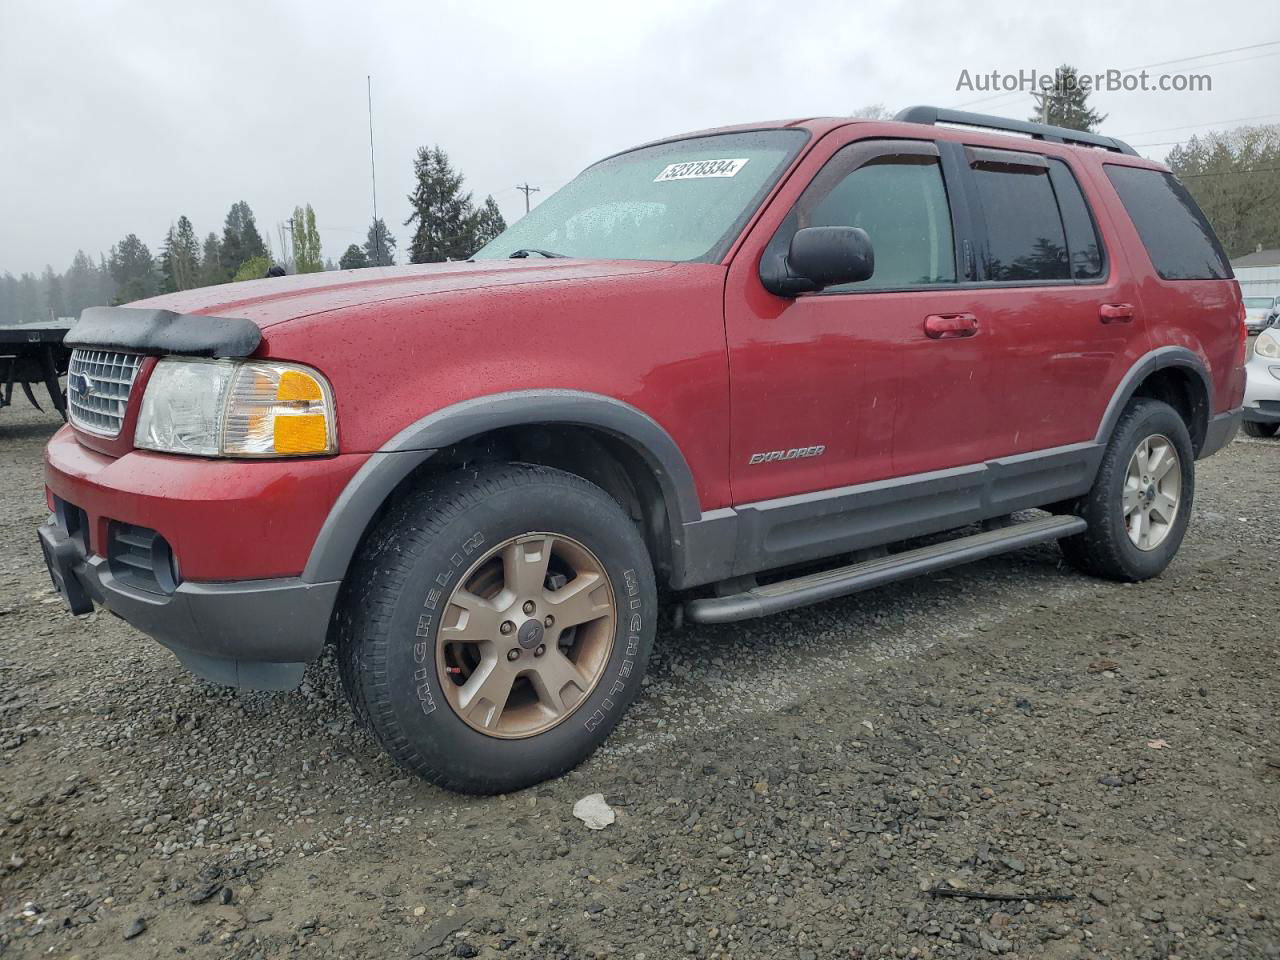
1267,345
232,408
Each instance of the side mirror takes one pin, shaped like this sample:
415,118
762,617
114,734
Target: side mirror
820,257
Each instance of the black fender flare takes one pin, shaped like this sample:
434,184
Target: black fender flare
1159,359
366,492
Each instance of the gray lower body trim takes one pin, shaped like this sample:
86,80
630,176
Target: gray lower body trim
776,533
1158,359
251,633
708,549
1221,431
355,509
254,633
415,444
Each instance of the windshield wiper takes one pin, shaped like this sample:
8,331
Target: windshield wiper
525,251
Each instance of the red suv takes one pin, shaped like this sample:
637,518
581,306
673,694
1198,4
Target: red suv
752,367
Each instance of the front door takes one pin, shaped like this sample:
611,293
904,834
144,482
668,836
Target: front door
890,376
884,380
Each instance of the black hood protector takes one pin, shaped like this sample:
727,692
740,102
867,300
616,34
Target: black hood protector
164,333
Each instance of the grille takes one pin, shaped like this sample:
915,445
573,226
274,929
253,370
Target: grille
98,385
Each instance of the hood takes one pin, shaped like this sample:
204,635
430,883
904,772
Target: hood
277,299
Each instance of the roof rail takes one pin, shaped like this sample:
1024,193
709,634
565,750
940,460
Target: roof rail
1038,131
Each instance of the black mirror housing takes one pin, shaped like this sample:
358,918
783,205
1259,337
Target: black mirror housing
820,257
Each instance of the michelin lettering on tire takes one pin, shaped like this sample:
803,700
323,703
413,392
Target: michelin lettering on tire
634,622
424,645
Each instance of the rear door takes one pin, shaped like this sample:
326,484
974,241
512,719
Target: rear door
1067,314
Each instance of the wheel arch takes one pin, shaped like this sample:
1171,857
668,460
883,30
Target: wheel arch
1175,375
602,439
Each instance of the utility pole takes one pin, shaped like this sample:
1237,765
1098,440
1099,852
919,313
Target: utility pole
526,190
373,176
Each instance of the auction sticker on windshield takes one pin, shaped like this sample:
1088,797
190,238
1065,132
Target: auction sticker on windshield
697,169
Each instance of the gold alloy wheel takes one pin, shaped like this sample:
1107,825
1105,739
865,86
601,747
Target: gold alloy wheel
1152,491
525,636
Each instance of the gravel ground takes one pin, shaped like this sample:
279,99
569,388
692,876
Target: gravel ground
793,787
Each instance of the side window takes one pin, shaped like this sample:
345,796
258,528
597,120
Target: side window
1025,236
1178,238
897,197
1083,243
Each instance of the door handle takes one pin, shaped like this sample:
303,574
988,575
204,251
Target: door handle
1116,312
948,326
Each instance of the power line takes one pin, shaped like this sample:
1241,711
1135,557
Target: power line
1192,126
526,190
1201,56
1228,173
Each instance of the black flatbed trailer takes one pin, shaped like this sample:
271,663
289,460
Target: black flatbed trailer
33,354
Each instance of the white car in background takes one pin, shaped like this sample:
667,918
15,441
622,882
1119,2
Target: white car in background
1262,386
1259,313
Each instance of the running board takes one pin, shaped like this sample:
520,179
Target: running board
788,594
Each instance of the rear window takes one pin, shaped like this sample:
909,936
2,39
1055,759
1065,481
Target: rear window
1178,238
1083,243
1025,236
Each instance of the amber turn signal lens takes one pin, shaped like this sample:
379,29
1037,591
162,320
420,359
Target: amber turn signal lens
279,410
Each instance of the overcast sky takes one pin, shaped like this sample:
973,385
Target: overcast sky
118,117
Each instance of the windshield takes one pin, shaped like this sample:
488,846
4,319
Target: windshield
1254,303
684,200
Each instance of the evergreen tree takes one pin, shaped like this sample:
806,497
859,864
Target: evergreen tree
250,239
82,285
306,241
240,239
380,245
442,213
133,269
28,298
180,258
353,258
486,224
53,295
1066,105
211,270
187,255
107,287
8,298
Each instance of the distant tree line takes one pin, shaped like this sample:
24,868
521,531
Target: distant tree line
1235,177
447,226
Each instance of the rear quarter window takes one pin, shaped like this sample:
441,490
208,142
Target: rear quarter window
1178,238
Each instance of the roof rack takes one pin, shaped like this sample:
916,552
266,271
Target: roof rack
1037,131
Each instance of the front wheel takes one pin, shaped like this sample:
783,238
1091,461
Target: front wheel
1140,502
1255,429
497,626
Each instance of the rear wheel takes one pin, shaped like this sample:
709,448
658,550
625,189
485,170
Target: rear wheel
497,626
1140,502
1254,429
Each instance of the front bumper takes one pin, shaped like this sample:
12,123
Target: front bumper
226,592
257,634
